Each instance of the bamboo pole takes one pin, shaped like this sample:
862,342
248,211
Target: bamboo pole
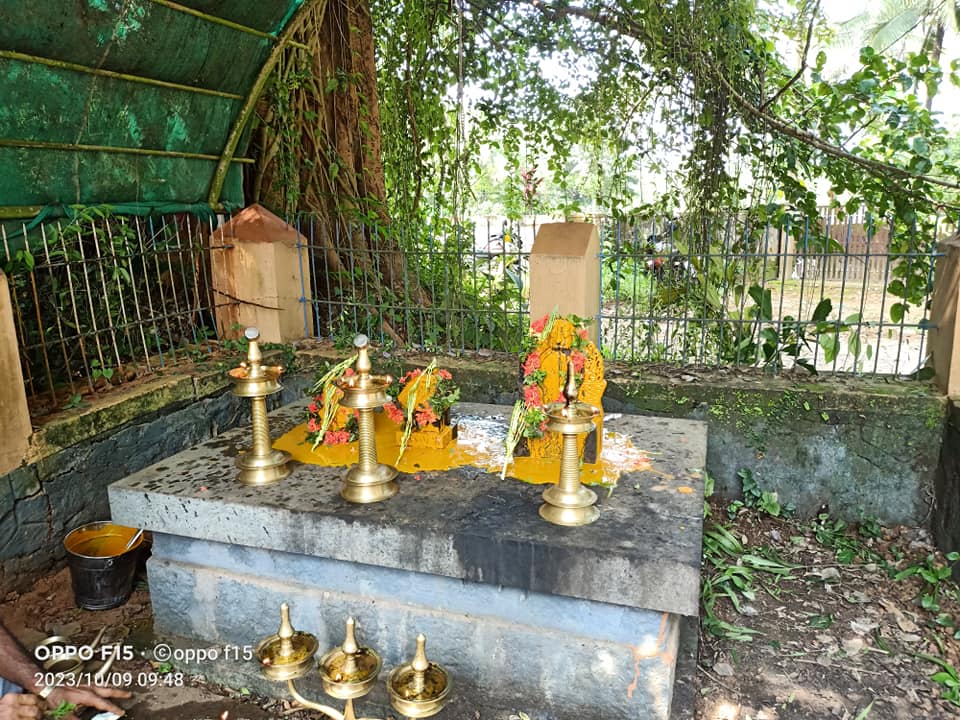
233,139
50,62
40,145
217,20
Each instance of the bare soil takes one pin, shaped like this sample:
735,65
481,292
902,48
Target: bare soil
837,639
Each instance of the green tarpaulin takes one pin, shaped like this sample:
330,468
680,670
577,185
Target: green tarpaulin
49,106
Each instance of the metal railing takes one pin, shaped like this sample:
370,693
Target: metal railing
431,288
103,299
768,295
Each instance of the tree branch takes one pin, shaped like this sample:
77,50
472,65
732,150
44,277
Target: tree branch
803,60
876,167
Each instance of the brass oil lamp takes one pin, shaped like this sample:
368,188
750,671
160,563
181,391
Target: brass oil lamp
418,689
261,465
368,481
569,502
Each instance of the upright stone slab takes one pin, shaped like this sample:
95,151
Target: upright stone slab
557,622
260,271
14,414
565,272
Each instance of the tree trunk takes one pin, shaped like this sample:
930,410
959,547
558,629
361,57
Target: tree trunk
319,153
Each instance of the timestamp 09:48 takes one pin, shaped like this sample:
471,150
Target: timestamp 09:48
114,679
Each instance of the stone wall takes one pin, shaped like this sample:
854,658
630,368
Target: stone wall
946,519
75,457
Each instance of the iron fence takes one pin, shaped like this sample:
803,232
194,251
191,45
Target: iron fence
427,288
102,299
841,295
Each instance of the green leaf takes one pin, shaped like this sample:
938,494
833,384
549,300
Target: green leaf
823,310
830,347
896,312
853,344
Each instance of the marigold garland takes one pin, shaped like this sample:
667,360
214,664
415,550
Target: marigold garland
553,341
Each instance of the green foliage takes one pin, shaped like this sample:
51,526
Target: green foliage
755,497
934,576
736,574
61,710
947,677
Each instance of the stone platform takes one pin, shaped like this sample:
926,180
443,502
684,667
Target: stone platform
556,622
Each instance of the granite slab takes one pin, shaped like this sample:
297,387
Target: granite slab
465,523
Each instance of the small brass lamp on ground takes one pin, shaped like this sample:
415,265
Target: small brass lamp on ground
261,465
418,689
368,481
569,502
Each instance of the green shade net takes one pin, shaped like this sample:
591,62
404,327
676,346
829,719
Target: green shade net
136,37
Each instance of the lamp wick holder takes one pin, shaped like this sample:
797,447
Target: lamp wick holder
261,465
569,502
368,481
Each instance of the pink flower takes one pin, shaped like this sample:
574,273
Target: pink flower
348,372
313,426
313,409
425,417
393,412
543,425
531,396
336,437
444,374
582,332
537,326
578,359
532,363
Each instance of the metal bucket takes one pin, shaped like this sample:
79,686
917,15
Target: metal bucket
101,572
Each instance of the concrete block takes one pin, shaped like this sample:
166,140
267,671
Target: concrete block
263,278
550,655
14,413
463,523
565,271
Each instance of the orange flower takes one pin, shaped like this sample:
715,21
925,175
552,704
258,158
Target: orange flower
531,396
425,417
578,359
532,363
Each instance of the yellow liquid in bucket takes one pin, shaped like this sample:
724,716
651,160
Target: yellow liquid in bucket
101,541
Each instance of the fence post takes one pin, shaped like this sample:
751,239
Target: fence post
945,330
565,271
259,277
14,414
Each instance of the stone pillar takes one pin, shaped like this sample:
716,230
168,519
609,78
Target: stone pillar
944,337
14,415
262,278
565,271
